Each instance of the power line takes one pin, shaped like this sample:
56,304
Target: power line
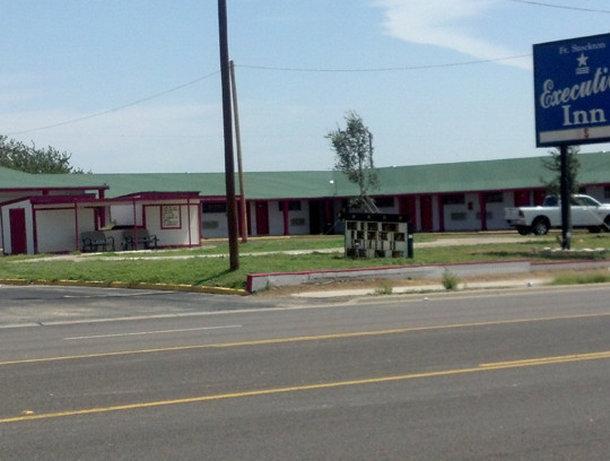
381,69
272,68
561,7
117,108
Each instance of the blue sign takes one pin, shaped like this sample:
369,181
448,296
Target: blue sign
572,91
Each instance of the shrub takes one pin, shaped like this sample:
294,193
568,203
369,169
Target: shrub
450,280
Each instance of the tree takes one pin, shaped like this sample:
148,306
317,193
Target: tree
553,164
31,159
353,148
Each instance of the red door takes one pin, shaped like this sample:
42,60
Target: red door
425,205
539,195
262,218
18,236
406,206
522,198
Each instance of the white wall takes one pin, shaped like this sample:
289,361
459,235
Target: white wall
122,215
173,237
497,220
303,216
6,225
55,230
214,225
469,221
276,219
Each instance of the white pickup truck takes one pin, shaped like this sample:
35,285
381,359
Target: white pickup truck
586,213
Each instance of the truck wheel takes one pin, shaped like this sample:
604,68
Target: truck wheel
606,225
523,230
540,226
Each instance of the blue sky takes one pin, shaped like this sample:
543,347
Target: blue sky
65,59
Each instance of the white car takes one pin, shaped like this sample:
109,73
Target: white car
586,213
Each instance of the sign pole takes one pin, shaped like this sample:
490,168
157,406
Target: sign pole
228,136
566,221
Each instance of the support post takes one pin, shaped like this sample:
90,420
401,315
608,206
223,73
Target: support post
285,211
228,135
240,171
440,200
566,218
483,210
76,239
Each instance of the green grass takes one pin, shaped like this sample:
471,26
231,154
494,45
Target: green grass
306,242
574,278
213,271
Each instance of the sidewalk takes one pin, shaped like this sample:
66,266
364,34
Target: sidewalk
429,288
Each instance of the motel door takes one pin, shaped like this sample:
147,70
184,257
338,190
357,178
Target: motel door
406,206
18,236
522,198
262,218
425,204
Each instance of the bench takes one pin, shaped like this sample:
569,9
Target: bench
96,241
139,238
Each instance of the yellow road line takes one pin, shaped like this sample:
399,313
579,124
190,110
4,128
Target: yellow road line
296,339
311,387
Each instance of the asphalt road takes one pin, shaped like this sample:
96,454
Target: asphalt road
518,375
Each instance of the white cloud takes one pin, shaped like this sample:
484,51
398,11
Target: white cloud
445,24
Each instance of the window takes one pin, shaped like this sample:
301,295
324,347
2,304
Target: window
384,202
293,205
461,216
584,201
214,207
607,192
207,225
495,197
550,200
454,199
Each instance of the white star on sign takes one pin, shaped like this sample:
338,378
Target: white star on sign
582,60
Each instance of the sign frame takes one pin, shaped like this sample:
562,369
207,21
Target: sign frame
171,216
572,91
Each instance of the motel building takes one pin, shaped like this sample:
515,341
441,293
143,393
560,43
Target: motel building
54,213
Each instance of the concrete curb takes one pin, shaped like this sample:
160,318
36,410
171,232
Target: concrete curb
138,286
424,289
263,281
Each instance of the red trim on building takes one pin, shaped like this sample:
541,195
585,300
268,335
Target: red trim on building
249,216
54,208
2,229
440,200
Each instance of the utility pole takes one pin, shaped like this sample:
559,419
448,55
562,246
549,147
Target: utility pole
242,197
228,135
566,221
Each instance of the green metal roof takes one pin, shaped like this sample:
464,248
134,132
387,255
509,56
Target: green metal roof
514,173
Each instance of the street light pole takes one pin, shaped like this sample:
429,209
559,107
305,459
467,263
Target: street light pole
228,135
